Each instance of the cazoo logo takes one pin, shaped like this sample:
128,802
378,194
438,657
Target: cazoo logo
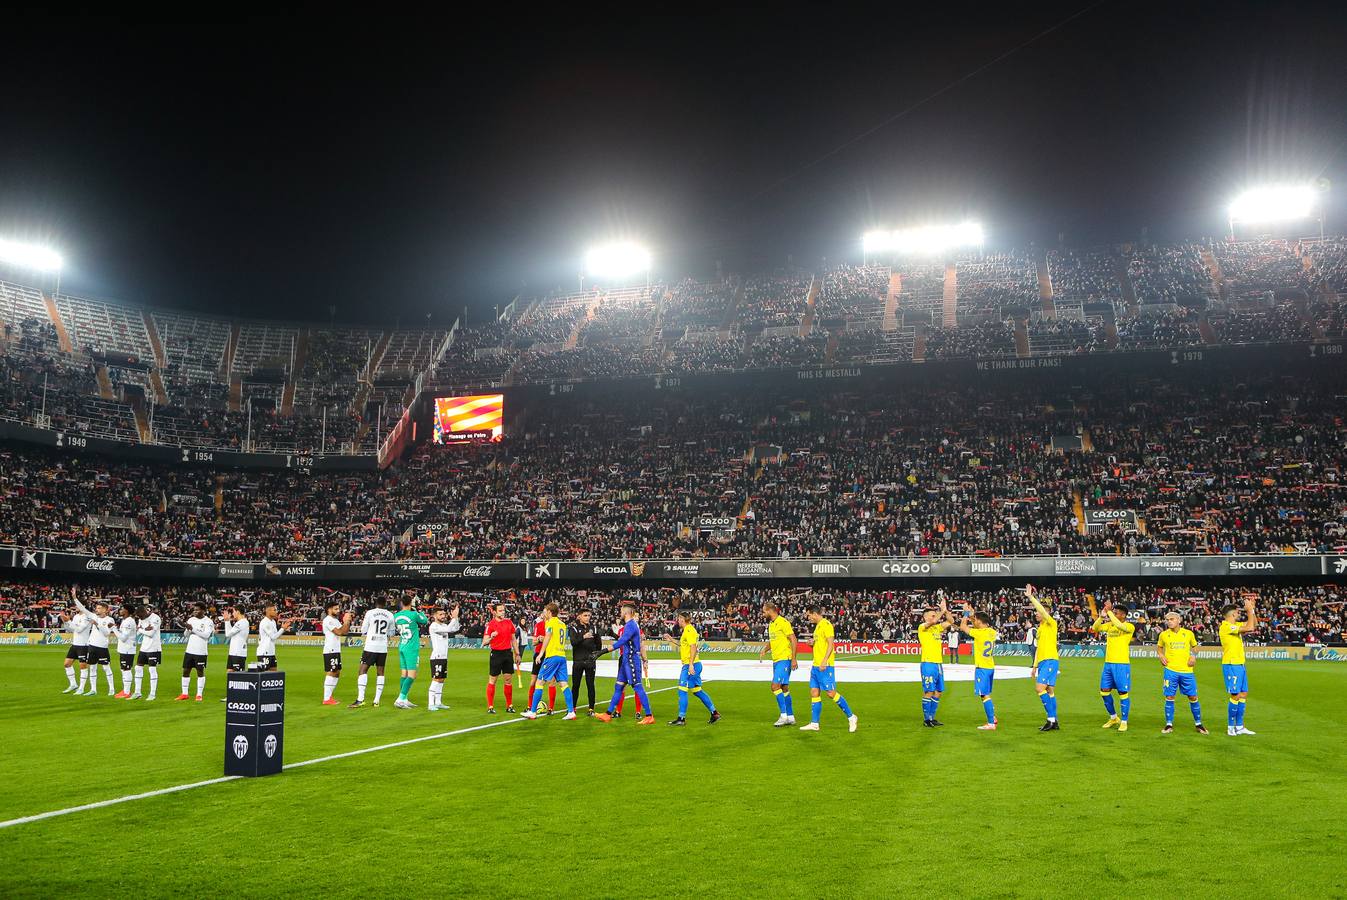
906,568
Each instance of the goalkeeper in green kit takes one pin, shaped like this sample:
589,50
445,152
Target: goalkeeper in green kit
408,621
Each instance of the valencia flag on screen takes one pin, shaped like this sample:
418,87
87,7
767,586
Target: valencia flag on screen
478,418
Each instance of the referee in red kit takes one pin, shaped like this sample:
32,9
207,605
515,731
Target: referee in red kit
499,636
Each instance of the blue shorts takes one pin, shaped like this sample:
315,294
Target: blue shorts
629,669
1116,677
1047,672
781,671
823,679
1184,683
553,669
932,677
1236,678
690,676
982,681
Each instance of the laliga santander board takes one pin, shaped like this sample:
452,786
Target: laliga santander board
478,418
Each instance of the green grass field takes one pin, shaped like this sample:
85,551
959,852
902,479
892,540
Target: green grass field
585,809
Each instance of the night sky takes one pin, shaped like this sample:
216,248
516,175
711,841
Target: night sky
282,167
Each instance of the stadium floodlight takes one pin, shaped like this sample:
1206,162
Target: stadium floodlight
926,240
1274,203
30,256
621,259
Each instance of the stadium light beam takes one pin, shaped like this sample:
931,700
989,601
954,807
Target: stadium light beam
30,256
617,260
1274,203
926,240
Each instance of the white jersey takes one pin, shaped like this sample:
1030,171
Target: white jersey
199,635
377,626
100,630
331,640
149,634
79,627
126,636
439,638
237,633
267,632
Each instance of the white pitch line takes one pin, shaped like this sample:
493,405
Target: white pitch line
37,817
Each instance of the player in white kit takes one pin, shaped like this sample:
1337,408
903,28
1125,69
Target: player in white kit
151,651
442,625
76,658
126,649
236,628
100,634
376,626
268,630
199,631
334,629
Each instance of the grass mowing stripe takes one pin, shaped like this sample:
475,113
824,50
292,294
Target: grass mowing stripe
37,817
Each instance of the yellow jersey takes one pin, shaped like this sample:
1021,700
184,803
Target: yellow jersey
823,633
1117,640
554,638
1232,644
687,642
1176,646
983,640
782,637
1047,640
931,644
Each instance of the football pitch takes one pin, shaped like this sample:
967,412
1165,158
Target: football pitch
581,808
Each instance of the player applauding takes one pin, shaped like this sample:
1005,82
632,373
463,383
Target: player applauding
1232,663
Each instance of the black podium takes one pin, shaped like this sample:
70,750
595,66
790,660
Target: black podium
254,723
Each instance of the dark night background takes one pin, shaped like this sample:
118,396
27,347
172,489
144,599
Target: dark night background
280,167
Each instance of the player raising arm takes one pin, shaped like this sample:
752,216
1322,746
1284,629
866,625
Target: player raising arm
101,628
1232,663
1117,675
441,626
1046,663
334,630
929,636
979,629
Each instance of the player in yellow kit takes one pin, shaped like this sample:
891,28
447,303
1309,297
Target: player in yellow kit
781,641
1117,675
1046,663
690,674
553,667
822,679
930,635
1232,663
1178,655
980,631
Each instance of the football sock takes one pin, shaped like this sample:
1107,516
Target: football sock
154,680
1052,707
1240,714
329,685
615,705
780,701
815,710
360,682
200,684
126,681
642,700
790,704
682,703
378,688
1125,702
509,694
140,675
490,695
186,683
534,696
1047,704
1169,712
84,678
1197,712
70,676
552,697
842,705
990,710
1109,707
1231,714
705,698
568,698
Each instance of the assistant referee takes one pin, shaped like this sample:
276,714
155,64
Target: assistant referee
586,642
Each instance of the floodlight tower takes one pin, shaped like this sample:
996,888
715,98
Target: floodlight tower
1276,203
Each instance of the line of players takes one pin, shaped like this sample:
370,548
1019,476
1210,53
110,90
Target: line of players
93,630
1177,650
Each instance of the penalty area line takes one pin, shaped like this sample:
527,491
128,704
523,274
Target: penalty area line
51,814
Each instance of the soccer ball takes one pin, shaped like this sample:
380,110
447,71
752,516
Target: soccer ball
542,707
